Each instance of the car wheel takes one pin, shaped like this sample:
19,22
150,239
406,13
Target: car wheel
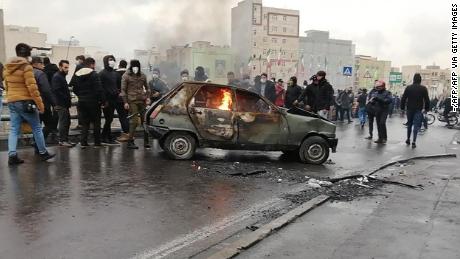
180,145
314,150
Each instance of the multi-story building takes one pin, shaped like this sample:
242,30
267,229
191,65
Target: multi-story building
336,57
18,34
437,80
216,60
2,38
368,69
149,58
265,39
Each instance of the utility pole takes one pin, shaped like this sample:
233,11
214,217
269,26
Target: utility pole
68,47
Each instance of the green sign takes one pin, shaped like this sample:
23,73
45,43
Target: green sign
395,77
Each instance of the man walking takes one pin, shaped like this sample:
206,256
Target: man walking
24,103
362,99
418,102
61,91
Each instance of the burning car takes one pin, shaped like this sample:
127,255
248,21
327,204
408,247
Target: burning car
198,114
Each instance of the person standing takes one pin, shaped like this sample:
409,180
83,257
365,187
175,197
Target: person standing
266,88
121,111
379,100
200,74
292,93
24,103
345,99
362,98
50,69
418,102
108,78
231,80
184,75
158,87
91,98
61,91
47,96
280,93
136,95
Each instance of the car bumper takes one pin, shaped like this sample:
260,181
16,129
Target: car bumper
333,143
156,132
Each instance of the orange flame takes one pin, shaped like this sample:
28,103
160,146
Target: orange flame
226,104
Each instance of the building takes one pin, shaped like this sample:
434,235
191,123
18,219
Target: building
149,58
18,34
368,69
216,60
265,39
437,80
2,38
319,52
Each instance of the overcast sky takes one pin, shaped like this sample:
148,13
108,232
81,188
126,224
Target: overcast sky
405,32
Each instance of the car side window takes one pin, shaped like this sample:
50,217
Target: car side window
250,102
213,97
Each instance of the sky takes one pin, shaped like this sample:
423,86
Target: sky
405,32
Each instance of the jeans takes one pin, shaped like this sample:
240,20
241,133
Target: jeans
362,115
414,123
339,113
17,116
108,116
64,123
381,119
90,112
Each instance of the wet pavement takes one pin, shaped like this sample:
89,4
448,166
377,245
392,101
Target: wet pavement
116,203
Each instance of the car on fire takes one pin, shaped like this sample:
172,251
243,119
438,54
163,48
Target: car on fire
199,114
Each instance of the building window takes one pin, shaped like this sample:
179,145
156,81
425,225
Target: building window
265,16
254,21
284,41
265,39
255,32
265,51
274,29
255,44
275,17
284,29
274,40
284,17
265,27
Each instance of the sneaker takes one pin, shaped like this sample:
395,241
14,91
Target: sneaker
66,144
110,143
84,145
132,145
414,145
47,156
124,137
14,160
408,142
370,138
380,141
147,146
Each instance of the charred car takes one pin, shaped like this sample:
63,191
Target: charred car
198,114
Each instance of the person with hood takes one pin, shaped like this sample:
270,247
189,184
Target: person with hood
418,102
362,99
158,87
47,96
24,103
292,93
108,78
91,97
200,75
345,99
136,95
378,103
266,88
50,68
280,93
122,113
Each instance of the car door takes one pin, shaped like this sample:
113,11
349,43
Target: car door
258,122
212,112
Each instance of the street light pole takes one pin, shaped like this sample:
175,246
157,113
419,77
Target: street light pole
68,47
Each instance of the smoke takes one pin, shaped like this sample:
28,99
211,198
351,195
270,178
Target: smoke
181,22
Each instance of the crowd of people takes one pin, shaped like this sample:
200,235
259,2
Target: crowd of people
39,93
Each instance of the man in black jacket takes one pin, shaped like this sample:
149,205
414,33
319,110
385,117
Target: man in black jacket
157,86
292,93
91,97
61,92
109,79
418,102
319,95
266,88
50,68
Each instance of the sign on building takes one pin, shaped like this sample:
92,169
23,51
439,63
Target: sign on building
395,77
347,71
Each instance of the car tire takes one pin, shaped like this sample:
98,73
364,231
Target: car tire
180,145
314,150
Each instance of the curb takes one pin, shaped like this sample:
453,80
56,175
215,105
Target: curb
252,238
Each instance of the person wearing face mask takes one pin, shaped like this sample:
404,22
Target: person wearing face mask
108,77
266,88
136,95
24,103
292,93
200,75
157,86
379,100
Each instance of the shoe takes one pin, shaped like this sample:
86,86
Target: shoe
380,141
408,142
15,160
84,145
66,144
369,137
147,146
124,137
132,145
414,145
47,156
110,143
350,121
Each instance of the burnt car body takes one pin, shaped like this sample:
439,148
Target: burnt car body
198,114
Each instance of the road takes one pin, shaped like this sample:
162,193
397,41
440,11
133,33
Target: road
118,203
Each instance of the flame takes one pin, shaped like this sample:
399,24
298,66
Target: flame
226,104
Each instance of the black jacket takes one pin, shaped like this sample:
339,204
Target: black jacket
44,88
50,70
416,97
158,85
292,93
88,87
378,101
108,78
319,96
362,99
61,90
270,90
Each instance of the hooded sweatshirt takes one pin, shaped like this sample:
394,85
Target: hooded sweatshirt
20,82
109,77
88,86
416,96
